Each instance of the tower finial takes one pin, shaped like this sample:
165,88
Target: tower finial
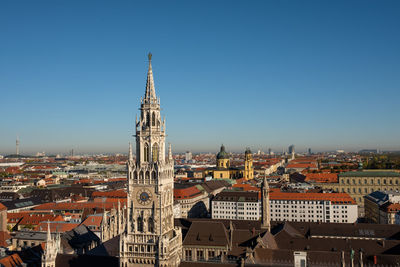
150,94
170,152
266,216
130,152
48,232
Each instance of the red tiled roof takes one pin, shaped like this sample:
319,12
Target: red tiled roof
393,207
111,200
304,159
322,177
117,179
4,236
14,217
2,207
188,192
11,261
59,227
76,198
114,193
93,221
76,206
35,219
13,170
83,181
301,165
240,180
336,198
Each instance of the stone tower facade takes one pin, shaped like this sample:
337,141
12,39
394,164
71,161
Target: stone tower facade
113,223
266,214
150,238
248,165
51,249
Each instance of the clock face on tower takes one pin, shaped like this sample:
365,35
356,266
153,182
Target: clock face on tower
144,196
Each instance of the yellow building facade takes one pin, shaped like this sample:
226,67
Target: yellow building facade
223,169
248,165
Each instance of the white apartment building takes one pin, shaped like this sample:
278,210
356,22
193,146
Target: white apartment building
236,205
285,206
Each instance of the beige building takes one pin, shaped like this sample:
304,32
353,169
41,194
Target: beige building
360,183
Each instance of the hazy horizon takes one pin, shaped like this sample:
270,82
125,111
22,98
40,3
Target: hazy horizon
213,151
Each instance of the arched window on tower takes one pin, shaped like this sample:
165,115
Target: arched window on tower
153,119
151,225
155,152
146,152
148,119
140,224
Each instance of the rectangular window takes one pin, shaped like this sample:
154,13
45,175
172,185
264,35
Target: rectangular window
211,254
200,255
188,255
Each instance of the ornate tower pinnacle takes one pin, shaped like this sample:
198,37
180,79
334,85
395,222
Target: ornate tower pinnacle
150,93
170,152
266,215
130,159
51,249
48,237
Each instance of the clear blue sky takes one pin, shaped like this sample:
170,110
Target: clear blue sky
319,74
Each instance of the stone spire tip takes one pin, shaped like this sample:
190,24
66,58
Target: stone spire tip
48,232
130,152
150,93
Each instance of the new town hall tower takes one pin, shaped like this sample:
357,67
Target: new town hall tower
150,238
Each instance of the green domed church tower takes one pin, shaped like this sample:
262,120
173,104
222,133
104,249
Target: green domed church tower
223,158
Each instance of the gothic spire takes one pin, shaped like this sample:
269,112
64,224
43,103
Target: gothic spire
266,216
130,152
150,93
170,153
48,239
265,183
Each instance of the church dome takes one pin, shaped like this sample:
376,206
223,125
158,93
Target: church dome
222,153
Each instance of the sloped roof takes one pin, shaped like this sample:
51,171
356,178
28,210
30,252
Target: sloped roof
189,192
108,248
237,196
4,239
338,198
11,261
114,193
206,233
322,177
2,207
56,226
93,220
80,236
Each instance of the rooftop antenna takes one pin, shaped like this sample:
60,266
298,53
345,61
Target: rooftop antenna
17,146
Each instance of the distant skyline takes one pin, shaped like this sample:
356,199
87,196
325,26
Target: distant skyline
259,74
